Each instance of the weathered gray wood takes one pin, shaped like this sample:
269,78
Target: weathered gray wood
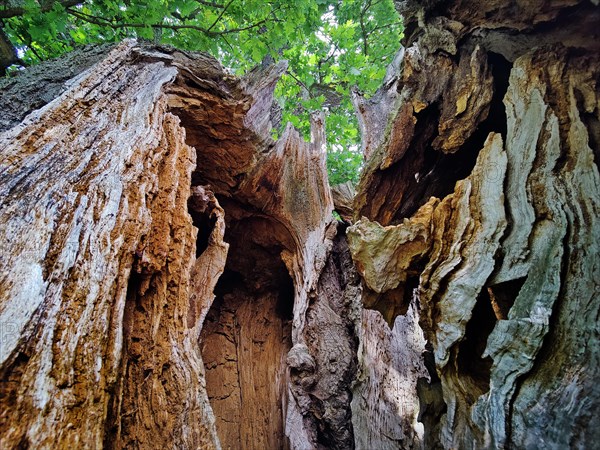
501,239
170,276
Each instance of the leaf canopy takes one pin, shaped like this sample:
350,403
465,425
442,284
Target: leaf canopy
331,46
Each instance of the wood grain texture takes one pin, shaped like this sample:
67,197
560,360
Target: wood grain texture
172,277
124,199
501,243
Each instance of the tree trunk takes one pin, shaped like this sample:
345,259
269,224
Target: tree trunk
172,277
480,201
124,200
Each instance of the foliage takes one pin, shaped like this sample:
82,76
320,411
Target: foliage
331,46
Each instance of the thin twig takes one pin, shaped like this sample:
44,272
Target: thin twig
220,15
212,4
385,26
291,74
6,13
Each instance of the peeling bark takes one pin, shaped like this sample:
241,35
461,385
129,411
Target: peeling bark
172,277
124,199
500,244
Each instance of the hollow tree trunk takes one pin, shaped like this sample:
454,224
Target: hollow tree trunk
480,201
124,200
172,277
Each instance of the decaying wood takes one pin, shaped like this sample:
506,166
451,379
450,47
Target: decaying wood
98,250
124,199
385,404
172,277
323,367
483,195
343,197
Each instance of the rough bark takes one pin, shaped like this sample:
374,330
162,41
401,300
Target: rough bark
172,277
323,367
124,199
39,85
100,340
483,195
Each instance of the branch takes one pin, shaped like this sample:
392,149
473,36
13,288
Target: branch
220,15
8,12
363,28
26,39
384,26
364,36
107,23
191,15
326,60
291,74
8,54
233,52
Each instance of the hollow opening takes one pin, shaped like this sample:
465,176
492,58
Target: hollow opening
246,333
503,295
246,337
205,222
402,183
441,171
425,172
591,120
472,368
493,304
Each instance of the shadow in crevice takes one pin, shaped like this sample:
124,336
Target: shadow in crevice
503,295
591,120
440,171
473,371
468,372
472,368
431,401
205,222
247,335
118,424
325,389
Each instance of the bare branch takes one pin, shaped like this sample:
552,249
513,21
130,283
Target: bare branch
300,82
384,26
211,4
331,55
